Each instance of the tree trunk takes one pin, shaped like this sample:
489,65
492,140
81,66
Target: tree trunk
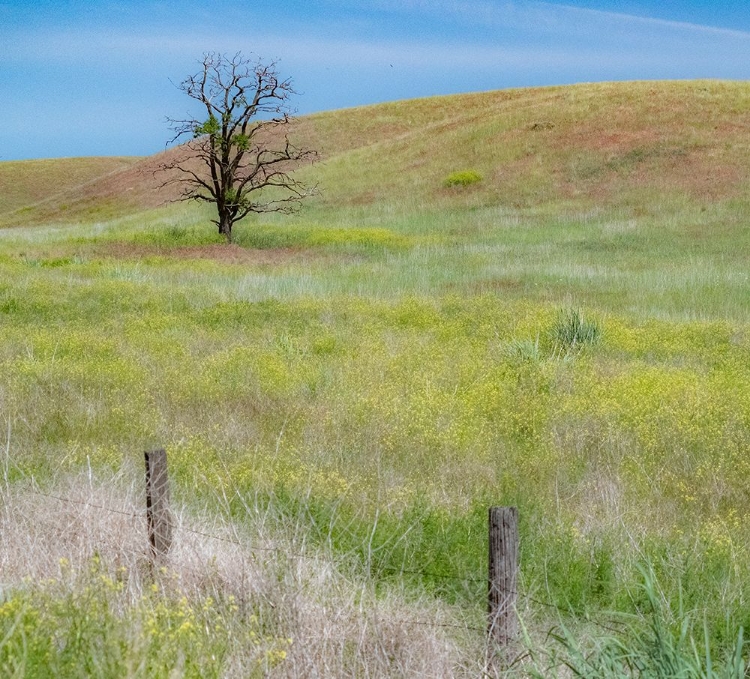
225,226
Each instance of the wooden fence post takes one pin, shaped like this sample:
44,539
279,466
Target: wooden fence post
157,503
503,581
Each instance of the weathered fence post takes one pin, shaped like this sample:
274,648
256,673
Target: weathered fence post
157,503
503,581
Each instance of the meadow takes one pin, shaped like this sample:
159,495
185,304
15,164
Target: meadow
347,390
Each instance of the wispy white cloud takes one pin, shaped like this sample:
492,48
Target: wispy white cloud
651,22
539,14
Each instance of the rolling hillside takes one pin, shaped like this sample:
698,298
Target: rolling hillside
584,145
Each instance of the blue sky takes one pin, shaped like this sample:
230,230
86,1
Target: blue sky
93,77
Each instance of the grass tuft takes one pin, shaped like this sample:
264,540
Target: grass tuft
573,330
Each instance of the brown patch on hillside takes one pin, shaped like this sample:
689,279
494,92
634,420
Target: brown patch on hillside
668,171
608,141
133,188
141,186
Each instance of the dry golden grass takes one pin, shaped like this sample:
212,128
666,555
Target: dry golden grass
84,537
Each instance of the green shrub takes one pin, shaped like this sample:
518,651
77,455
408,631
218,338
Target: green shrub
463,178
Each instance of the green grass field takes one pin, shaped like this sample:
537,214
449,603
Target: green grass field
360,382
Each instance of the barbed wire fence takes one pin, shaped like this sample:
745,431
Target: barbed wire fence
156,516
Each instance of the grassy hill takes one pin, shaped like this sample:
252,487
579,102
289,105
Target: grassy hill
583,145
586,144
351,387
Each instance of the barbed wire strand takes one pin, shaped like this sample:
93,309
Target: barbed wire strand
132,515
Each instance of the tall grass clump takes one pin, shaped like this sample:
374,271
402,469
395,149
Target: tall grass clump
573,330
523,350
657,644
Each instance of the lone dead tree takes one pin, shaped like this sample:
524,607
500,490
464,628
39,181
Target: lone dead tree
239,156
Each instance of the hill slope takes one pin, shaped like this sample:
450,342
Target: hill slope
612,143
592,143
25,183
